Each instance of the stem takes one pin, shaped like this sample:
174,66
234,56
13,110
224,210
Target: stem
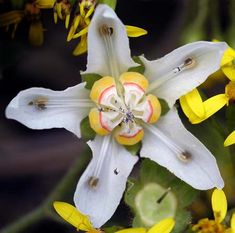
60,192
26,221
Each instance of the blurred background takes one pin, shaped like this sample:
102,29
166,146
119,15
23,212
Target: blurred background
33,162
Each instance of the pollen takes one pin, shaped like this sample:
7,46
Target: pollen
230,91
185,156
208,226
40,103
93,181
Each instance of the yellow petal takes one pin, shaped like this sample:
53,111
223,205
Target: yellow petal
12,17
164,226
133,31
229,71
195,102
81,33
55,17
36,33
135,78
156,108
211,105
73,216
228,56
193,118
45,4
135,136
214,104
233,223
219,205
67,18
58,8
81,47
96,124
132,230
230,139
90,11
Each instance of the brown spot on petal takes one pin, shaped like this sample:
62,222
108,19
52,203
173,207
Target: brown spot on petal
93,181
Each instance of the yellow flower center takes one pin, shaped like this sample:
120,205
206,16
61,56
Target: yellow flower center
208,226
123,113
230,91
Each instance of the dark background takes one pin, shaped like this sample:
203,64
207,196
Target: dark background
33,162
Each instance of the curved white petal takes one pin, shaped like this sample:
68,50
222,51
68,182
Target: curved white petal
171,80
40,108
172,146
112,51
111,164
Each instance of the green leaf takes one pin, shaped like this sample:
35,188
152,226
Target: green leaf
164,107
230,116
139,69
111,3
17,4
86,131
112,229
90,79
134,149
157,194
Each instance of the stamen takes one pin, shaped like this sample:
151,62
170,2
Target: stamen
42,103
188,63
106,33
185,156
94,179
181,154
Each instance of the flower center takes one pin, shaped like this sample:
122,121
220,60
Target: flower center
123,113
208,226
230,91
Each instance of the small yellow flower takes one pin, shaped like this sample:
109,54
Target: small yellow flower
198,110
62,9
164,226
32,13
75,217
219,207
83,223
81,21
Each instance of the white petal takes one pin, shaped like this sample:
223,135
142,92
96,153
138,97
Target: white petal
111,164
199,170
170,84
63,109
98,60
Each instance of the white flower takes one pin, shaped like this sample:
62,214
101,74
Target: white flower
123,108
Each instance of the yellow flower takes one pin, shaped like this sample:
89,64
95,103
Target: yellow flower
198,110
32,13
62,9
164,226
83,223
81,21
75,217
219,207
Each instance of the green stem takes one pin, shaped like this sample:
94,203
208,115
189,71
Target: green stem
26,221
59,193
231,28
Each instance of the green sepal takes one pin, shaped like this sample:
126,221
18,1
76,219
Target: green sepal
151,173
111,3
164,107
139,69
90,79
86,131
134,149
112,229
